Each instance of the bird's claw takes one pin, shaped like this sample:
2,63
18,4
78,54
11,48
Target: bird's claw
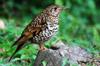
43,49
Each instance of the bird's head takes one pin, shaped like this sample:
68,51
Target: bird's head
53,10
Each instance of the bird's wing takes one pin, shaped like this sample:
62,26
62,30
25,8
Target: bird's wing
34,28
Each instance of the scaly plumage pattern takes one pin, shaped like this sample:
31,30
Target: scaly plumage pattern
41,29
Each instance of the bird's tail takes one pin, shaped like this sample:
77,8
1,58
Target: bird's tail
20,42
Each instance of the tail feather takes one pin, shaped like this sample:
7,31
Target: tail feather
17,49
16,42
21,41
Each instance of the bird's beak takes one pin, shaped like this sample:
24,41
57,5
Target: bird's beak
65,8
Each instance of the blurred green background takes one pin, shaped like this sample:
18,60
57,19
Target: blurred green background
80,25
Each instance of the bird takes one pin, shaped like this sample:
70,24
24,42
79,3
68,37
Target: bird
43,27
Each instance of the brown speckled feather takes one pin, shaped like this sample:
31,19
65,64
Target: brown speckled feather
41,29
30,31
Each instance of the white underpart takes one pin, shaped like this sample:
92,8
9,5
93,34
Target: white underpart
52,28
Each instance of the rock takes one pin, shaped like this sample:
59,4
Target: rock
63,56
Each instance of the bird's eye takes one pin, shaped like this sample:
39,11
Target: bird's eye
55,8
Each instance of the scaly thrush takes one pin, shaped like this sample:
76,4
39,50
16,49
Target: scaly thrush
41,29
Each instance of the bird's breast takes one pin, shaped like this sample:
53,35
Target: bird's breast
46,34
53,27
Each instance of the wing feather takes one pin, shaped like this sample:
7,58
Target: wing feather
34,28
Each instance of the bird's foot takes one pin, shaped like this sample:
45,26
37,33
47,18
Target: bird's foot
43,49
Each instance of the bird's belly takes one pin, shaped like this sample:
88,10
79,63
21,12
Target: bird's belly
45,35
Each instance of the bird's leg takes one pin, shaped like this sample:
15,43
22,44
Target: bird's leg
42,47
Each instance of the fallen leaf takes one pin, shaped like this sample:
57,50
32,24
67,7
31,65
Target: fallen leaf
2,25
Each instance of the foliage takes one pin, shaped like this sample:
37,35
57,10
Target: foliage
78,25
